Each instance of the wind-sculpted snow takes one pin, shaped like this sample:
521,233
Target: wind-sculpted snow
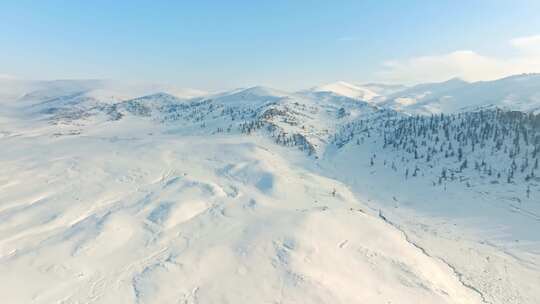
167,219
245,197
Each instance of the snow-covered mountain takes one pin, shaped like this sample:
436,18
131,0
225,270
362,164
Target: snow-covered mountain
305,121
348,90
520,92
384,89
261,195
27,92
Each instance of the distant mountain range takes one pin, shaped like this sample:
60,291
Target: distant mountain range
154,183
519,92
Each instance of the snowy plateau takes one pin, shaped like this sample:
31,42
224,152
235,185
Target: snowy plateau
342,193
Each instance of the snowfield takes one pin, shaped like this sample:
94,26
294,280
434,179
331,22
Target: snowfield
519,92
255,196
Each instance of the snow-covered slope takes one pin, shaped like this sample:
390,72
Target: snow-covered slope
520,92
25,92
261,195
437,176
121,216
382,89
348,90
307,122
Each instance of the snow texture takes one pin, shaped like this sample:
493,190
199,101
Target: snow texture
331,195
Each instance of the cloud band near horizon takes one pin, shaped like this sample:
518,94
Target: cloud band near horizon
465,64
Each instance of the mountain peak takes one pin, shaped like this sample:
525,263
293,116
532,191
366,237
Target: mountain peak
158,95
346,89
262,91
456,80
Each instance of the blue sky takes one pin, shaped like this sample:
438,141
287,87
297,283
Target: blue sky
286,44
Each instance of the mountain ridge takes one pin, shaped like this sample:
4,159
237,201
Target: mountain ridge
152,189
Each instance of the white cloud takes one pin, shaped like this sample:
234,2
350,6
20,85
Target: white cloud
528,45
465,64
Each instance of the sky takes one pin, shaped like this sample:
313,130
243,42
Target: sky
219,44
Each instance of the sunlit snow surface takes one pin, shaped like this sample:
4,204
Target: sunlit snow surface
139,211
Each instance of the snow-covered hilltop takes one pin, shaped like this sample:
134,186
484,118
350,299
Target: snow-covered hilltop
341,193
348,90
518,92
